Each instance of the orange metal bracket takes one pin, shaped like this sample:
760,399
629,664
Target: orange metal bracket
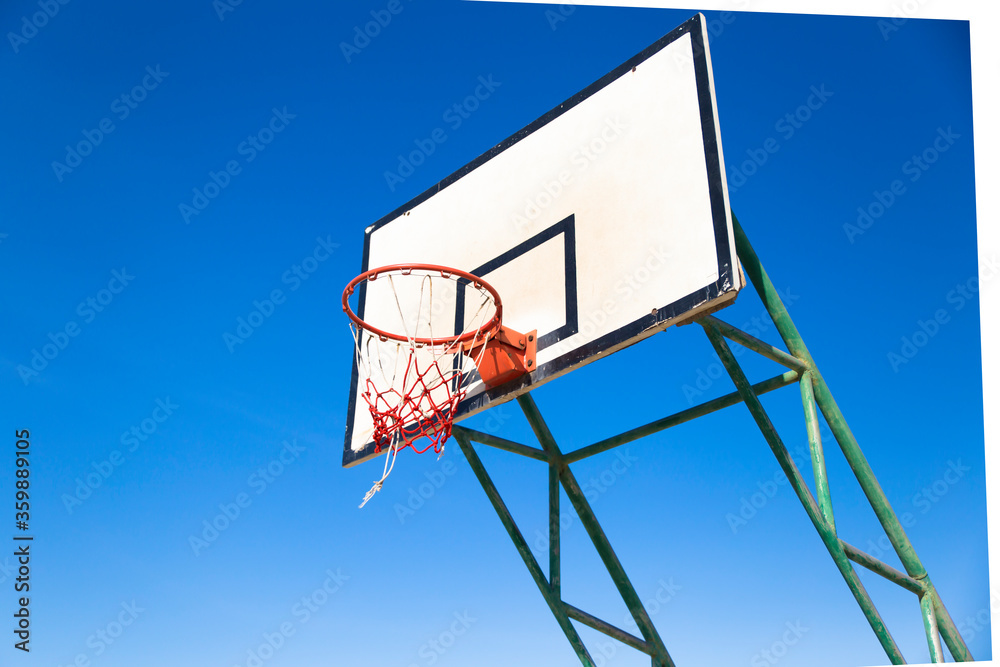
507,355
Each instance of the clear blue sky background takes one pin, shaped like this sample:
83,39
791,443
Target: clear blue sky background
732,591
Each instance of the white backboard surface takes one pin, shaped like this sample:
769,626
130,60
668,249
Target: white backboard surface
603,222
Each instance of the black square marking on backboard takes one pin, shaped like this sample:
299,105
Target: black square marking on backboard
566,227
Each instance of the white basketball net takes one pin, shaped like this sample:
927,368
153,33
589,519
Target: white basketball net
413,388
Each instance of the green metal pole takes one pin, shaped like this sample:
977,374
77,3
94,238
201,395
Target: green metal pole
608,629
756,344
501,443
946,626
677,418
842,432
594,530
805,496
555,576
931,627
882,569
816,449
555,604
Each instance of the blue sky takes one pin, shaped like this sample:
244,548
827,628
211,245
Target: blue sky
249,141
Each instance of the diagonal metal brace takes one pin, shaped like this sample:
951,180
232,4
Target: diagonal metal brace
596,533
555,604
824,529
845,438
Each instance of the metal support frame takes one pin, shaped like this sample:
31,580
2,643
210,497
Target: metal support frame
816,398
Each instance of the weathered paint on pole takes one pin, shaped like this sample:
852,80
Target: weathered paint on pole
755,344
502,443
555,604
882,569
931,628
555,569
805,495
608,629
816,449
594,530
700,410
815,393
845,438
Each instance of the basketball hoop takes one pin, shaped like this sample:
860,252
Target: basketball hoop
411,372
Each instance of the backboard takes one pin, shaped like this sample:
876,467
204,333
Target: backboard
604,221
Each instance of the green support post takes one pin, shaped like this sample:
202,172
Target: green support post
815,394
555,569
878,567
678,418
845,438
561,477
555,604
805,496
594,530
816,449
931,628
